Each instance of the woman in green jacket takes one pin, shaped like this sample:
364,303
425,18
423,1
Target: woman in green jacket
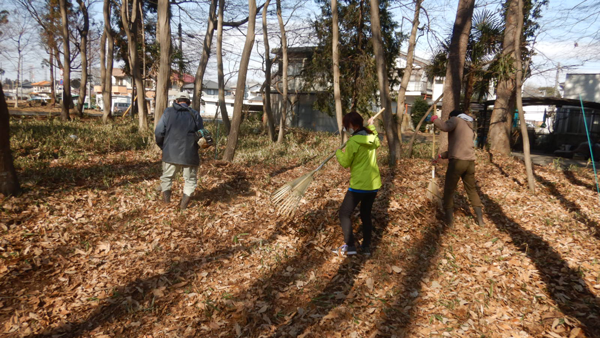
365,180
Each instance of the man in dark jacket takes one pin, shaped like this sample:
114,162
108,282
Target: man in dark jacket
461,152
176,135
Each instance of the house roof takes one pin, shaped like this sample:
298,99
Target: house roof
41,84
118,72
187,78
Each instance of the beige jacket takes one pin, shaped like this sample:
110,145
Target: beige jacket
460,138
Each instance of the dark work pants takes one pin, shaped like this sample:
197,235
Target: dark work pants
465,170
348,205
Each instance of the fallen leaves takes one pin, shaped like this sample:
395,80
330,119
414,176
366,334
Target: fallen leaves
111,260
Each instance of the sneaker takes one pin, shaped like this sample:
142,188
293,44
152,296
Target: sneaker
344,249
366,251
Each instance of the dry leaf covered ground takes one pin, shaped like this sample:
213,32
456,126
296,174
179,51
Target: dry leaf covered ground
89,250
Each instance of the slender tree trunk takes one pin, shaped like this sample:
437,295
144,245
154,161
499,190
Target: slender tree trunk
412,41
164,68
337,96
456,62
359,48
83,53
267,85
52,81
130,26
106,62
18,75
519,84
391,132
9,183
501,120
210,29
221,75
241,84
67,101
284,75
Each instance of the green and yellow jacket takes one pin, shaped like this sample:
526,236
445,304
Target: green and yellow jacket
360,156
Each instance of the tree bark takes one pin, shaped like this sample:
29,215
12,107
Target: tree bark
519,84
412,41
456,62
391,132
241,84
164,68
130,26
83,53
52,81
337,96
284,75
106,62
359,48
210,29
267,85
220,74
501,120
66,101
9,183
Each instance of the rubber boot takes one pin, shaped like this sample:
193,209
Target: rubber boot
479,214
184,202
166,195
449,217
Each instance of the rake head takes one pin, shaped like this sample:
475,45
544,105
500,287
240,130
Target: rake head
287,198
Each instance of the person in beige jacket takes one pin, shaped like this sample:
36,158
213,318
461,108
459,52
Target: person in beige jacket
461,152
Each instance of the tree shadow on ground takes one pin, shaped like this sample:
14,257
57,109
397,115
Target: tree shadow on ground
138,293
576,181
571,206
563,283
340,285
291,167
504,173
101,176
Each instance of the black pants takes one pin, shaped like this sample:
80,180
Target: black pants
348,205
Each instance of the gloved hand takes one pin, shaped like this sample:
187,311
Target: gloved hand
436,160
434,117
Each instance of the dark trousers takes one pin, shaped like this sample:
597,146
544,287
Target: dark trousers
465,170
348,205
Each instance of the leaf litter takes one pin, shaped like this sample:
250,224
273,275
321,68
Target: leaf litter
85,257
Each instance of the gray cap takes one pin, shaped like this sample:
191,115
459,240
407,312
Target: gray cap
184,96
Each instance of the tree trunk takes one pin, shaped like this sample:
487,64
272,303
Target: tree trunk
9,183
470,81
164,68
52,81
284,75
391,132
18,76
83,53
106,62
267,85
337,96
130,26
67,101
210,29
359,48
456,62
412,41
241,84
501,120
519,84
418,127
220,75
